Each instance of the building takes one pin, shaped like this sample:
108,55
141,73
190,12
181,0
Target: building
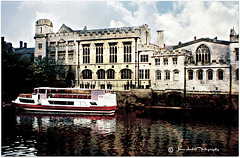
124,59
23,51
100,58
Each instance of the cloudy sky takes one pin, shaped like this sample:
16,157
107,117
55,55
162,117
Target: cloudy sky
180,20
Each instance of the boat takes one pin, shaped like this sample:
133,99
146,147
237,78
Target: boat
70,100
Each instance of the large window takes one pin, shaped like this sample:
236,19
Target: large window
86,54
87,74
101,74
190,75
113,52
147,73
127,52
110,74
144,58
61,46
141,74
126,74
99,53
158,75
220,74
210,74
203,54
200,74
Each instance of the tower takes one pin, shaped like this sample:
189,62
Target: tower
42,29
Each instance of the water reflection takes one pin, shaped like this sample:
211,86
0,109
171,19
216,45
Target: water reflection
133,133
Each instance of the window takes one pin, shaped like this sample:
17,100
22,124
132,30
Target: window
158,75
174,61
200,74
40,29
86,54
165,60
175,75
144,58
101,74
113,53
70,58
127,52
203,54
237,54
99,53
52,57
157,61
61,58
237,74
102,86
70,46
144,74
210,74
147,73
52,47
190,75
109,86
220,74
61,46
39,45
87,74
126,74
110,74
167,75
141,74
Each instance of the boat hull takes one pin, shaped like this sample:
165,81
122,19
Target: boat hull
68,109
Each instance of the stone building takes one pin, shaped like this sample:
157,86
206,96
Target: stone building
99,58
124,59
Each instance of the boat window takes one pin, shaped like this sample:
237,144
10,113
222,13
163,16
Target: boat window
93,103
42,91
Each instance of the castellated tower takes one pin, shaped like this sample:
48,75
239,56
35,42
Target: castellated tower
43,27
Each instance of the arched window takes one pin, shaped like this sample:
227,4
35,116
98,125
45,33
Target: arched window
87,74
101,74
126,74
190,74
210,74
220,74
110,74
237,74
158,75
200,74
203,54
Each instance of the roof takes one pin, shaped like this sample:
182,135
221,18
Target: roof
200,40
23,50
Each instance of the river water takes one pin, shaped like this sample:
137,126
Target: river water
152,132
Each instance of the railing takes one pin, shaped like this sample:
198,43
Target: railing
71,96
25,95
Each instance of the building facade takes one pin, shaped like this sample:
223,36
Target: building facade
124,59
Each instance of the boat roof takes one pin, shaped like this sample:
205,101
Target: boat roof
56,88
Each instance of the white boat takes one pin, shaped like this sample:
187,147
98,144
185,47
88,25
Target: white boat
71,100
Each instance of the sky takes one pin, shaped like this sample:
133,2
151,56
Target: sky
180,20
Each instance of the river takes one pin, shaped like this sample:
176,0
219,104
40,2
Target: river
151,132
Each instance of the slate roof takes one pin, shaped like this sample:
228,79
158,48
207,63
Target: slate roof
23,50
200,40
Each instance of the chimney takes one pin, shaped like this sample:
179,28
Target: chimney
195,38
21,44
25,44
160,38
215,39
